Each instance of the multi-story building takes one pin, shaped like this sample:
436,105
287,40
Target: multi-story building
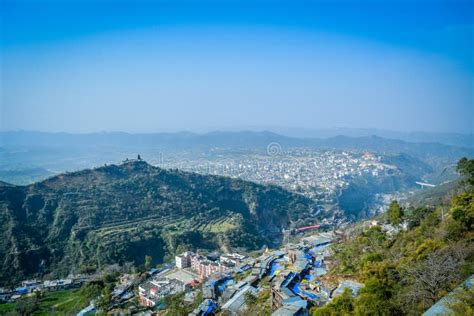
151,292
232,258
184,260
203,266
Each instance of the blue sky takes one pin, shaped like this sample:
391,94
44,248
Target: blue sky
144,66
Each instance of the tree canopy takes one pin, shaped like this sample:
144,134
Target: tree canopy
407,273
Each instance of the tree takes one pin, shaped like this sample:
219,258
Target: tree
462,209
436,273
340,305
376,298
182,248
174,305
250,299
26,306
148,262
105,299
395,213
416,216
466,168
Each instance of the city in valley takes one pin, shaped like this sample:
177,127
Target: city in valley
315,174
237,158
321,175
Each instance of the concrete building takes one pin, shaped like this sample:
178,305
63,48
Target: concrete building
232,258
289,310
151,292
184,260
236,305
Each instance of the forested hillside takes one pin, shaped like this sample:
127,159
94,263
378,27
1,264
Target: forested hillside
428,253
115,214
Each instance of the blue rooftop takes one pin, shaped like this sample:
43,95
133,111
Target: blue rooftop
295,301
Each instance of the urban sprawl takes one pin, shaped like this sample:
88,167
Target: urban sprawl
315,174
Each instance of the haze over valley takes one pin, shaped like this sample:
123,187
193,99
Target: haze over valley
236,158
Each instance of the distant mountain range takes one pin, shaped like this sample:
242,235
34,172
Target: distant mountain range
120,213
57,152
242,139
455,139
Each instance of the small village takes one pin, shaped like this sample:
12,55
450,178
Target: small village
294,276
288,281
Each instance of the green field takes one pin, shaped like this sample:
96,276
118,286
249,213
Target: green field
67,302
7,308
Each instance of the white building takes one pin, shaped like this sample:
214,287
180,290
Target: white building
184,260
232,258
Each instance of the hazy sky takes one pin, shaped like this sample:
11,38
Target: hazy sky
144,66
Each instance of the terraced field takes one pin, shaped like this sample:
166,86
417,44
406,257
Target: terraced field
117,214
221,224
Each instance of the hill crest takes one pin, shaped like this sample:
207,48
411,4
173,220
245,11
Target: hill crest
120,213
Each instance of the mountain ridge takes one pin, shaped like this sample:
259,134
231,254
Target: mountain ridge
220,138
120,213
445,138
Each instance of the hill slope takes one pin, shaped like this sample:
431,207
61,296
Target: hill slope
116,214
413,257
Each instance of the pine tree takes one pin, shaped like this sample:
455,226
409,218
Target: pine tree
395,213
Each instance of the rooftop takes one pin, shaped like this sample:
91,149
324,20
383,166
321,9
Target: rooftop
440,308
287,310
185,276
351,285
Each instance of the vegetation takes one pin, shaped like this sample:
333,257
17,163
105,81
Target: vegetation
49,303
174,306
85,220
395,213
64,302
148,262
466,168
356,197
341,305
409,272
462,302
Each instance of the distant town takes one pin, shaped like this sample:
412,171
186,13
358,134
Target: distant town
315,174
320,175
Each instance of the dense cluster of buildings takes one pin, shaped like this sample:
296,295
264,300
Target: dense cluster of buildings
296,275
205,266
191,269
30,286
152,291
295,278
316,174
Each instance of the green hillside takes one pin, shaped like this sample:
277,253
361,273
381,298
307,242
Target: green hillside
117,214
429,253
